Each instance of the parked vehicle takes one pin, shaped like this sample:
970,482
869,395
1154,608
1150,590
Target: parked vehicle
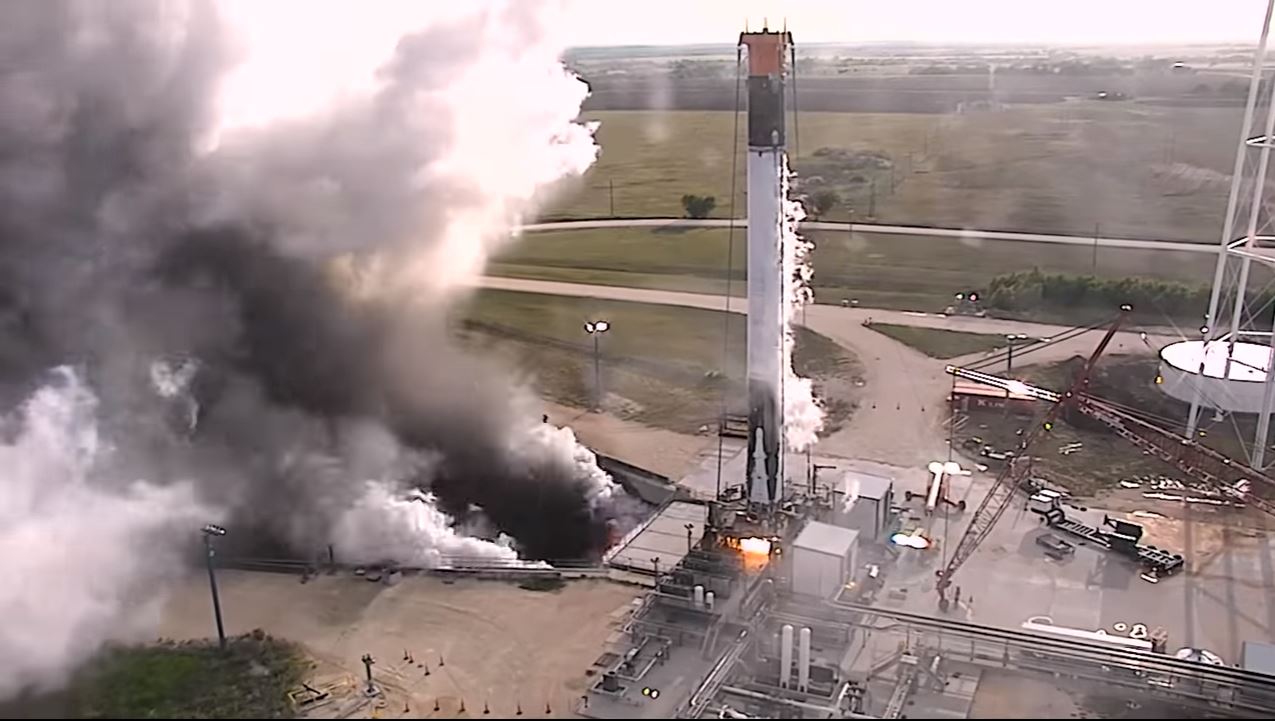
1054,546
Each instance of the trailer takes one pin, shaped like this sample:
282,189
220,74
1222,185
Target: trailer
1123,537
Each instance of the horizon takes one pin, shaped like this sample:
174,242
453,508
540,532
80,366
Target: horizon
1246,44
1079,22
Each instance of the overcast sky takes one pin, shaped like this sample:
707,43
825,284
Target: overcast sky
622,22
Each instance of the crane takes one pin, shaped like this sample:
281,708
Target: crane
1194,460
993,505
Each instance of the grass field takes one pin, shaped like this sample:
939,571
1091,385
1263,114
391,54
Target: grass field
1126,169
939,343
190,680
885,271
660,365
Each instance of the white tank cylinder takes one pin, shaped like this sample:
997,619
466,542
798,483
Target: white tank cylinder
699,597
785,655
709,599
803,661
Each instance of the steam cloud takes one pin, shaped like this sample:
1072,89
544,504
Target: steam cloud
803,415
249,308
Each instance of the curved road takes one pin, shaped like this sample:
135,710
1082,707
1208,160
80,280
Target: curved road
1165,245
901,412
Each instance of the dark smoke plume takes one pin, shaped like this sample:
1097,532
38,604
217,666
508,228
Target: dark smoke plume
250,321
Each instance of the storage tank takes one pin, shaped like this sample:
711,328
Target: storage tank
1189,364
803,661
785,655
1044,626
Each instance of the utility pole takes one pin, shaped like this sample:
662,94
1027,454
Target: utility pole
1010,340
368,661
611,188
596,328
209,531
597,375
690,531
1096,228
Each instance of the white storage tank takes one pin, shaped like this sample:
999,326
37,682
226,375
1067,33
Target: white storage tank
1236,386
785,655
823,559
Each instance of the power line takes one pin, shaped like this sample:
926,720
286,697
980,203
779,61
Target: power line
730,269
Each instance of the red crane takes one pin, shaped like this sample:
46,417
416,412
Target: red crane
1196,461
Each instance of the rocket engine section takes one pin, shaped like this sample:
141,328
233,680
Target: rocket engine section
766,54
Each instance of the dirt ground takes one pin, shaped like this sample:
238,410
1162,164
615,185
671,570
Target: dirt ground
655,449
480,642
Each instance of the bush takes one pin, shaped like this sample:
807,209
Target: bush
822,202
698,206
192,679
1150,296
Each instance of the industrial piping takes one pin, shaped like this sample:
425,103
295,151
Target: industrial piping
785,655
803,661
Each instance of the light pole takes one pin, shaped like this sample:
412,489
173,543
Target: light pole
211,530
1012,338
596,328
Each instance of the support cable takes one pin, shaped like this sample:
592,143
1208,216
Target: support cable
796,128
730,270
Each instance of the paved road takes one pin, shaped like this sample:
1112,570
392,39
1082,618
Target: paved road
955,233
901,414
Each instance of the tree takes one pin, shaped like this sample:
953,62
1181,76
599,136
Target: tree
823,202
698,206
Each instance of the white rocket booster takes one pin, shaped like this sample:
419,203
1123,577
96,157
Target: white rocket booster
766,55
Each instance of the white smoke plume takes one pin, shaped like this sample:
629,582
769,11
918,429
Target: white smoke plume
453,133
411,530
79,551
176,176
803,414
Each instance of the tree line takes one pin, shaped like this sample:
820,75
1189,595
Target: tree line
1026,290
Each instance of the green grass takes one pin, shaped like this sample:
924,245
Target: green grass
885,271
1130,169
190,680
939,343
661,365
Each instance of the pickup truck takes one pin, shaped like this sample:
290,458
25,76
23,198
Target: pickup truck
1054,546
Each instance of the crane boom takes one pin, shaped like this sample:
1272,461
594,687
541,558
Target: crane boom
1198,462
993,505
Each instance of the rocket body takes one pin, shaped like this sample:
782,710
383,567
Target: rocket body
766,138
